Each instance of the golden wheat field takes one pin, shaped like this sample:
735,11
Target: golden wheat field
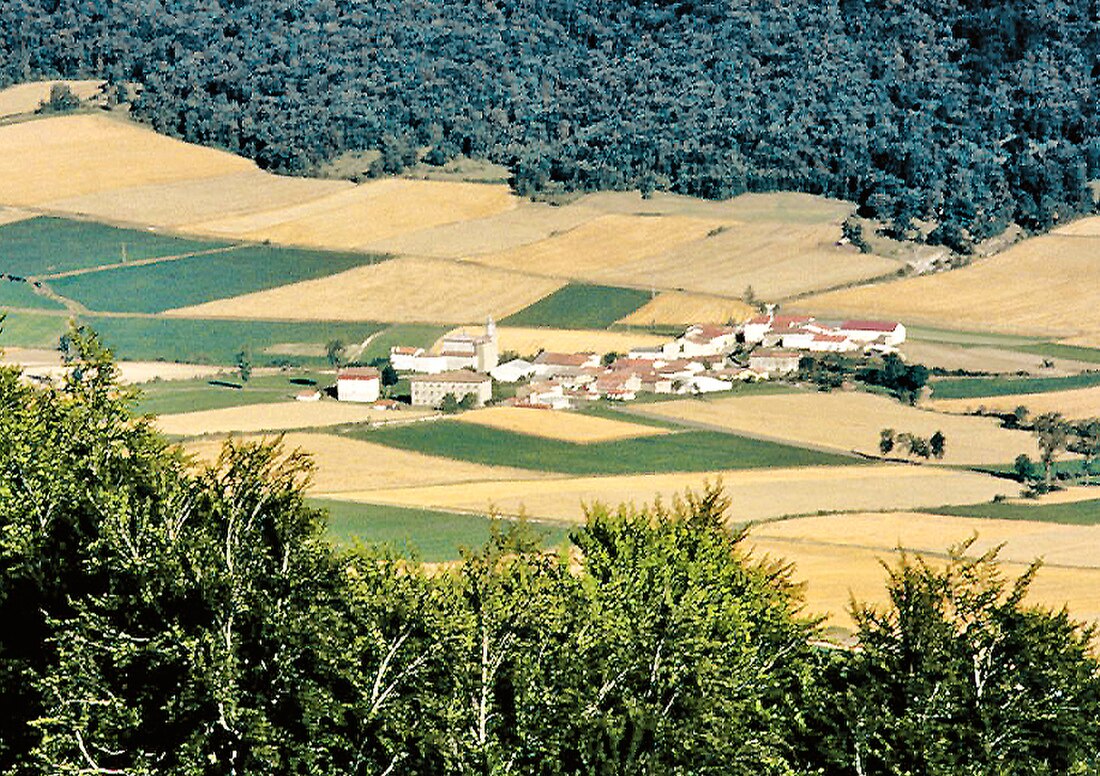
1045,286
677,308
834,574
598,246
566,426
63,157
274,417
182,203
850,420
348,464
757,494
529,341
356,217
400,290
25,98
528,223
47,363
1081,227
777,260
1078,403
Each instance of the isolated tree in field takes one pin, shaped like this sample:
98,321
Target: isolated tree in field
886,439
1020,414
1086,442
244,365
61,100
334,352
938,445
958,675
1024,468
1052,432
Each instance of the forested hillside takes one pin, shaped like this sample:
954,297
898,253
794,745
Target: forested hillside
969,113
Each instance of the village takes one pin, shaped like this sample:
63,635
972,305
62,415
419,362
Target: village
705,358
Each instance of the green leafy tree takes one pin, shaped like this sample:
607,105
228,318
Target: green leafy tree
1052,432
938,445
957,675
334,353
1085,441
244,365
886,439
449,404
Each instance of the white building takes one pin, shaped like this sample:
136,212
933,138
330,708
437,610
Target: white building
887,332
358,384
702,383
755,329
774,361
707,340
458,350
549,364
430,390
513,371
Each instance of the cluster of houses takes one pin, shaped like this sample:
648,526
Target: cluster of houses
698,361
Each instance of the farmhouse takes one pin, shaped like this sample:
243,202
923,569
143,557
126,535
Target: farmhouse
549,364
513,371
430,390
756,328
358,384
886,332
707,340
774,361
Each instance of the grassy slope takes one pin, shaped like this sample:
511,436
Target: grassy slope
29,330
580,307
41,246
685,451
1078,513
978,387
436,536
14,294
163,286
171,396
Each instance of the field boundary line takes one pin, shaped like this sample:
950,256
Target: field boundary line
136,263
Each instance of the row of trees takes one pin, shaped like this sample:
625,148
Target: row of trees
1055,435
163,619
969,114
829,371
912,445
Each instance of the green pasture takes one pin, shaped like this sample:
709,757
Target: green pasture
679,451
43,246
167,397
977,387
22,295
152,288
434,536
579,306
1077,513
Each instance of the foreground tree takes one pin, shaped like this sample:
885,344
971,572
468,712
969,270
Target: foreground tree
957,675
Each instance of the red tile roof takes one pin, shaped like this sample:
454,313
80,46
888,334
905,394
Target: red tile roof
358,373
869,325
563,359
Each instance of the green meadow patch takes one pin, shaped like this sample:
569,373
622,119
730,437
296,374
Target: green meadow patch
1076,513
682,451
977,387
21,294
43,246
434,536
153,288
167,397
578,306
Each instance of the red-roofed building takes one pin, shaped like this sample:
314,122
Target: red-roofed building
756,328
358,384
887,332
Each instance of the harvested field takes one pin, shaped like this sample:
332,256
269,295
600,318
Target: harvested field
850,421
48,363
365,214
839,553
566,426
25,98
987,359
70,156
404,290
757,494
277,416
835,574
1045,286
676,308
12,215
1081,227
347,464
1080,403
777,260
528,223
181,203
786,207
527,342
597,247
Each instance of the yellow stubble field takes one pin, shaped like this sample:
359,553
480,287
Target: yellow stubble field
25,98
401,290
594,248
839,555
566,426
63,157
277,416
348,464
757,494
777,260
1045,286
678,308
1078,403
850,420
360,216
530,340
